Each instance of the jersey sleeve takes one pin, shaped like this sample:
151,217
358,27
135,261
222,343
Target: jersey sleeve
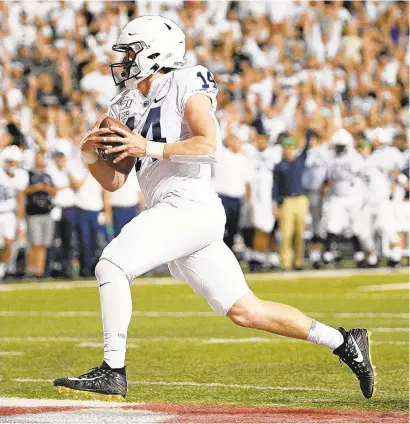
195,80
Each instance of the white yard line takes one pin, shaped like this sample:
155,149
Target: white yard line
13,402
94,342
11,353
195,384
386,287
327,273
189,314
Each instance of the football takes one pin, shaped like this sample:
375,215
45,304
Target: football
126,165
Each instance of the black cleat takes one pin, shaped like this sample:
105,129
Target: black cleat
102,380
355,353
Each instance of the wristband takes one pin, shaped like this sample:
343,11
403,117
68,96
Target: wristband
155,150
89,157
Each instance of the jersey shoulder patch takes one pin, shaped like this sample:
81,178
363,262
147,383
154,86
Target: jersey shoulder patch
115,104
195,80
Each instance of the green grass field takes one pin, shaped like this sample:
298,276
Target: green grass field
204,348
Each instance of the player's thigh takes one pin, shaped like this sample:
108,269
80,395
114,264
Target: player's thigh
214,273
262,217
164,233
8,226
337,216
385,222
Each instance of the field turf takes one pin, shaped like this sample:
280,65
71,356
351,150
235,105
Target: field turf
48,333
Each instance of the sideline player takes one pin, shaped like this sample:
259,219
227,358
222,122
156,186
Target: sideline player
12,183
175,138
343,196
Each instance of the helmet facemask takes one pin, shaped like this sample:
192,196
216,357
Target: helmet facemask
129,68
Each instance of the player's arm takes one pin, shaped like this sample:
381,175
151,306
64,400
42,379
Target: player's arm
203,127
200,148
108,178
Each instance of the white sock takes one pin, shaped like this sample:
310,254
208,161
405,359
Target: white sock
359,256
372,259
116,309
396,254
273,259
2,269
328,256
324,335
315,255
258,256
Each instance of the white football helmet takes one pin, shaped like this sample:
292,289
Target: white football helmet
10,157
149,43
342,140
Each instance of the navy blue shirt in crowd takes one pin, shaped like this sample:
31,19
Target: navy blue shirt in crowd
287,176
39,202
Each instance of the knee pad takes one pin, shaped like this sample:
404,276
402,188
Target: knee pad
107,271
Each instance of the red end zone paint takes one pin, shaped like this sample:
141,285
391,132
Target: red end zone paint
224,414
187,413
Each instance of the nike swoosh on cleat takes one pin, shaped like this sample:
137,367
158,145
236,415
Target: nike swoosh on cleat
359,357
158,100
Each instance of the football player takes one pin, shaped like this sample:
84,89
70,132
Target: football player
343,197
263,159
389,161
313,178
175,138
377,214
13,181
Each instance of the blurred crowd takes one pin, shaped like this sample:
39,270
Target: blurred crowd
291,75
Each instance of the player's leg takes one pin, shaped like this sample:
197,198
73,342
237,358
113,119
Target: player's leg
336,222
286,226
225,289
315,208
156,236
301,207
388,229
8,229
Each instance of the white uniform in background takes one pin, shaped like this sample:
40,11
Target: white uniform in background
262,163
128,195
89,196
401,206
9,187
377,215
344,197
231,174
184,222
313,178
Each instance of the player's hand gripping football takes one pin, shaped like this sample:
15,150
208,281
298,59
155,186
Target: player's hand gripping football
87,144
131,144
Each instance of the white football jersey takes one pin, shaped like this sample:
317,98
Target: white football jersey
316,167
342,173
159,117
375,186
9,187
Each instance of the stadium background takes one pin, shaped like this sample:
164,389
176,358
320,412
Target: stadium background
281,67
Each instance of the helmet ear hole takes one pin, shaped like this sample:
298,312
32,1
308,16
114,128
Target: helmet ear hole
153,56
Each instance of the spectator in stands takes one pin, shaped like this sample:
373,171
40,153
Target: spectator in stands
66,179
126,203
290,204
40,226
231,180
281,67
89,201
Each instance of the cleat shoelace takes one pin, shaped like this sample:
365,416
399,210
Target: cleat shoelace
95,372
